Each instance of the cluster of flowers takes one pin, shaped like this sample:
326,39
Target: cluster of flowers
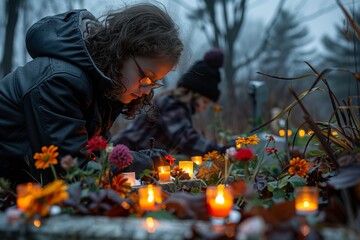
38,200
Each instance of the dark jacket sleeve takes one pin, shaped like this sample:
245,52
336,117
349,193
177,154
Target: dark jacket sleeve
179,128
54,113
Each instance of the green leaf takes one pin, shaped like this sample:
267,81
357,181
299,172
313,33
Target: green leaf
297,181
283,182
145,172
272,185
278,193
92,165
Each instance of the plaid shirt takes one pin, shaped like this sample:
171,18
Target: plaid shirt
173,130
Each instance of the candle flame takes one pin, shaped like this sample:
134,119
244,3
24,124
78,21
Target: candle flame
150,194
220,195
306,204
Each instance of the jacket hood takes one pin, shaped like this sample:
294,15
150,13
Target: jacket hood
62,36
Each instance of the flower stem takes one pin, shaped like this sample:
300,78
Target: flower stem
53,171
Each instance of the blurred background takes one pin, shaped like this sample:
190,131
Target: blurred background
282,38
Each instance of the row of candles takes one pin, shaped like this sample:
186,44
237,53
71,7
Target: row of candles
219,198
164,171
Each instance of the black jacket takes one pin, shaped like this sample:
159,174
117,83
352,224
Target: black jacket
57,98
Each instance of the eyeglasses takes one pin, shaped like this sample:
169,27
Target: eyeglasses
145,81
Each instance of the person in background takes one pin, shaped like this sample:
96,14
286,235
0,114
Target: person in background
173,129
85,72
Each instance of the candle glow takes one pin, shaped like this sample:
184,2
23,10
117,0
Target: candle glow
219,201
130,177
164,173
187,166
197,159
306,200
150,198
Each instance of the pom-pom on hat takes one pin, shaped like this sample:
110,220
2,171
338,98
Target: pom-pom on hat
204,76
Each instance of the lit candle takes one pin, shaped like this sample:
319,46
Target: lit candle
219,201
188,167
164,173
197,159
150,198
130,177
24,194
306,200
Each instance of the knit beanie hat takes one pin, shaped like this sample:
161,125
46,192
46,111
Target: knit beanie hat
204,76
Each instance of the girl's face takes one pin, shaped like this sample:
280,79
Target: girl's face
201,103
141,74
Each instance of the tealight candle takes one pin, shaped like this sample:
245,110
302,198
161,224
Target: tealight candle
197,159
24,197
164,173
150,198
130,177
306,200
188,167
219,201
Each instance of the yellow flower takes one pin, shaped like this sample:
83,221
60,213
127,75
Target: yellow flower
253,140
299,167
211,155
46,158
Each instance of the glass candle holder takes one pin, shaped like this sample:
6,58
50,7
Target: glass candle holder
306,200
164,173
197,159
24,197
219,201
150,198
130,177
187,166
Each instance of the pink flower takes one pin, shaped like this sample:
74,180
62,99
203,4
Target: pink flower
244,154
121,156
96,143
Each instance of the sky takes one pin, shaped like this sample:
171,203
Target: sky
320,16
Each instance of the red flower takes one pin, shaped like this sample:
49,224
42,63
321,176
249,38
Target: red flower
170,159
271,150
244,154
96,143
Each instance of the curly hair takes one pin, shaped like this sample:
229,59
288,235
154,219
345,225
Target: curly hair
143,30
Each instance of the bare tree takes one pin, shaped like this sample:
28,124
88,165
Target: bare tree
222,21
12,12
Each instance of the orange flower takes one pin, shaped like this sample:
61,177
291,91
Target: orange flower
120,185
299,167
253,140
217,108
46,158
41,200
212,155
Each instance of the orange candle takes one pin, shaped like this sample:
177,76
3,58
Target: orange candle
130,177
150,198
187,166
164,173
24,194
197,159
219,201
306,200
